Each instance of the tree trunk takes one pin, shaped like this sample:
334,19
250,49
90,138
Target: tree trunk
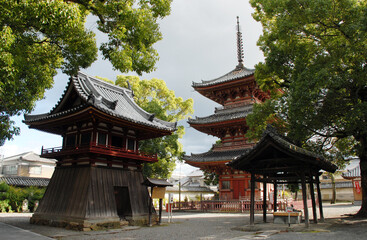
363,165
333,189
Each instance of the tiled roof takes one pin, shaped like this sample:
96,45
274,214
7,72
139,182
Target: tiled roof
271,136
156,182
215,156
25,181
29,157
223,115
324,185
201,189
237,73
111,99
353,173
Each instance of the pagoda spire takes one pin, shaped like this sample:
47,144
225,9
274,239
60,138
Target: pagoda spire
239,45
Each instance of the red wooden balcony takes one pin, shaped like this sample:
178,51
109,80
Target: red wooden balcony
94,148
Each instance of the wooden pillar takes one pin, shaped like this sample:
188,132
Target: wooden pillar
252,200
275,196
312,190
304,196
320,199
150,206
264,201
160,210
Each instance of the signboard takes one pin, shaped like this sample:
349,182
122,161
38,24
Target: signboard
289,209
170,198
358,187
158,192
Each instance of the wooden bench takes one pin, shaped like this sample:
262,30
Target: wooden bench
282,217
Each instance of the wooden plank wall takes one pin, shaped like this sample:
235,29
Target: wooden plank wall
88,193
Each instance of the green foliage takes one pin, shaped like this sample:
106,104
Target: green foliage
315,52
293,187
11,198
5,206
262,115
154,97
15,196
39,37
210,178
3,187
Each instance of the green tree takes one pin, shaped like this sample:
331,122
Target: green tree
154,97
39,37
293,188
315,52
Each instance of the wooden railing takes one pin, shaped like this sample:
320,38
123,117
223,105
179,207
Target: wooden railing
225,206
103,149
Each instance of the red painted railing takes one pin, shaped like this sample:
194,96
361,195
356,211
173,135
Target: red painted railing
225,206
103,149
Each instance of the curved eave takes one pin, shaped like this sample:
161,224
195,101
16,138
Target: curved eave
219,119
203,164
237,73
86,87
245,162
241,121
53,123
92,84
214,157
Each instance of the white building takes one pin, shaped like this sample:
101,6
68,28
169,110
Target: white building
28,164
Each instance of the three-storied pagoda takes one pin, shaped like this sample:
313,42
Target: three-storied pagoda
98,178
236,91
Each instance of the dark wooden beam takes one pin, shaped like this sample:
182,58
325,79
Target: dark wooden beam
252,200
320,199
312,190
304,196
264,201
275,196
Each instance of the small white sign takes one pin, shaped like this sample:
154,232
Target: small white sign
289,209
170,198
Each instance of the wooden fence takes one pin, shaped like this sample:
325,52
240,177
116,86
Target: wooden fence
225,206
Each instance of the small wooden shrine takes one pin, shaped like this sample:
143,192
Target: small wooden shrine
98,178
355,175
276,160
236,91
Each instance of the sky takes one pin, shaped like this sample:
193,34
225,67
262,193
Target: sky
199,43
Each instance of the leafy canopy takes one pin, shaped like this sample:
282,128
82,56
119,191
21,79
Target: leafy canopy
315,51
155,97
39,37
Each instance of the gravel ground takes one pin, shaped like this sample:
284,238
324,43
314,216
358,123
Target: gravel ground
215,226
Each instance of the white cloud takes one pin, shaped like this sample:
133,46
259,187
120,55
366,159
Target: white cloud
199,42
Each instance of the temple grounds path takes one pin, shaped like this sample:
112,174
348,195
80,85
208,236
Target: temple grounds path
202,226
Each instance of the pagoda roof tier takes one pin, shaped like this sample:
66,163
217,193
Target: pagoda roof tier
213,157
222,120
223,115
241,86
85,94
238,73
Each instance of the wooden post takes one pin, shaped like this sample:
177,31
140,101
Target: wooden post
150,206
160,210
264,200
179,195
312,190
304,196
201,201
320,199
252,203
275,196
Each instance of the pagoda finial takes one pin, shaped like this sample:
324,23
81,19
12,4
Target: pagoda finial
239,45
